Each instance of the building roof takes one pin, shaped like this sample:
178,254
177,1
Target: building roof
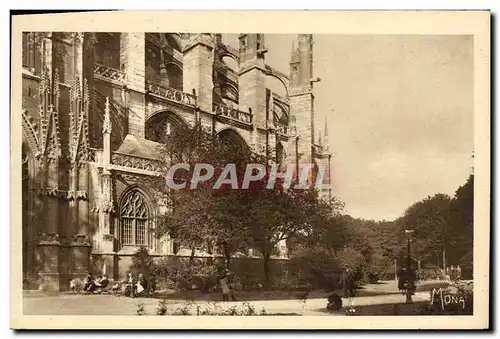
140,147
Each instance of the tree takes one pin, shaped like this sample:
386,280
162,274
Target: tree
206,216
284,213
461,225
429,220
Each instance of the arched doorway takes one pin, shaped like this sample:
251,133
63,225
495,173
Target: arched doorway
162,124
232,138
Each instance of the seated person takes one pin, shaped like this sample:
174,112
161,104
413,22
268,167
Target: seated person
101,283
130,286
93,285
142,285
88,282
72,286
117,286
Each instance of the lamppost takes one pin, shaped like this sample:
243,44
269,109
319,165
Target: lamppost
409,279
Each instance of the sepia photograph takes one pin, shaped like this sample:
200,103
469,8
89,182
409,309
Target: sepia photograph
278,176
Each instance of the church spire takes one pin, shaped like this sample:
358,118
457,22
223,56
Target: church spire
325,138
106,126
106,131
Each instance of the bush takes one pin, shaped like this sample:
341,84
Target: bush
142,263
185,275
211,308
321,268
334,302
429,273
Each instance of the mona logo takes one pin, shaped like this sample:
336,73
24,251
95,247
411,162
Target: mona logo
445,298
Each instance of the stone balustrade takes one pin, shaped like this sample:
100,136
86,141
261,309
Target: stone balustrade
108,73
233,114
135,162
171,94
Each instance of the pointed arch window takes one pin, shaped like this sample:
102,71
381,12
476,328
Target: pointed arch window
135,218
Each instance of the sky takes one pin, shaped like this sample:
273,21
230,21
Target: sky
399,111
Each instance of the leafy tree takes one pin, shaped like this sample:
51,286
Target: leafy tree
274,215
429,220
461,225
203,217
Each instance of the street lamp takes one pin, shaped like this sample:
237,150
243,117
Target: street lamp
409,284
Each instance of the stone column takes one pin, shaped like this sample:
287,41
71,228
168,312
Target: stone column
72,226
47,257
252,77
106,205
132,58
80,255
80,243
78,55
197,71
47,52
82,199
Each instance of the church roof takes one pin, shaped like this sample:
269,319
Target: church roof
140,147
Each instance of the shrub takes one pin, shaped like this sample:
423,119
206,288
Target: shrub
140,309
429,273
162,308
334,302
321,268
184,275
142,263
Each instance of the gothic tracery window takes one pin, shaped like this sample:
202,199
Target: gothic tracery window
135,220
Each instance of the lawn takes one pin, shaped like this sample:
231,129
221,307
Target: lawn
387,309
369,290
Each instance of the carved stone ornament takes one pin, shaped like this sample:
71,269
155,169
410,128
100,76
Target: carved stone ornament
52,192
80,240
105,206
50,239
77,37
106,126
78,195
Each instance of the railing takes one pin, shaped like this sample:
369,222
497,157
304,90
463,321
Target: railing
108,73
135,162
171,94
233,113
283,129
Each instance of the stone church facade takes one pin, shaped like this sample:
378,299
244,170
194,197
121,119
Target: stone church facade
93,105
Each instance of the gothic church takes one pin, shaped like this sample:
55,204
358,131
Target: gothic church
93,105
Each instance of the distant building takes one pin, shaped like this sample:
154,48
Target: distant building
93,105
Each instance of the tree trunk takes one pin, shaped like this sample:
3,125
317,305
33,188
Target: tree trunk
191,258
444,259
267,256
227,257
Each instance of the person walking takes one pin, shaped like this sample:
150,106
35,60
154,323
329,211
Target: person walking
453,273
402,277
224,284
